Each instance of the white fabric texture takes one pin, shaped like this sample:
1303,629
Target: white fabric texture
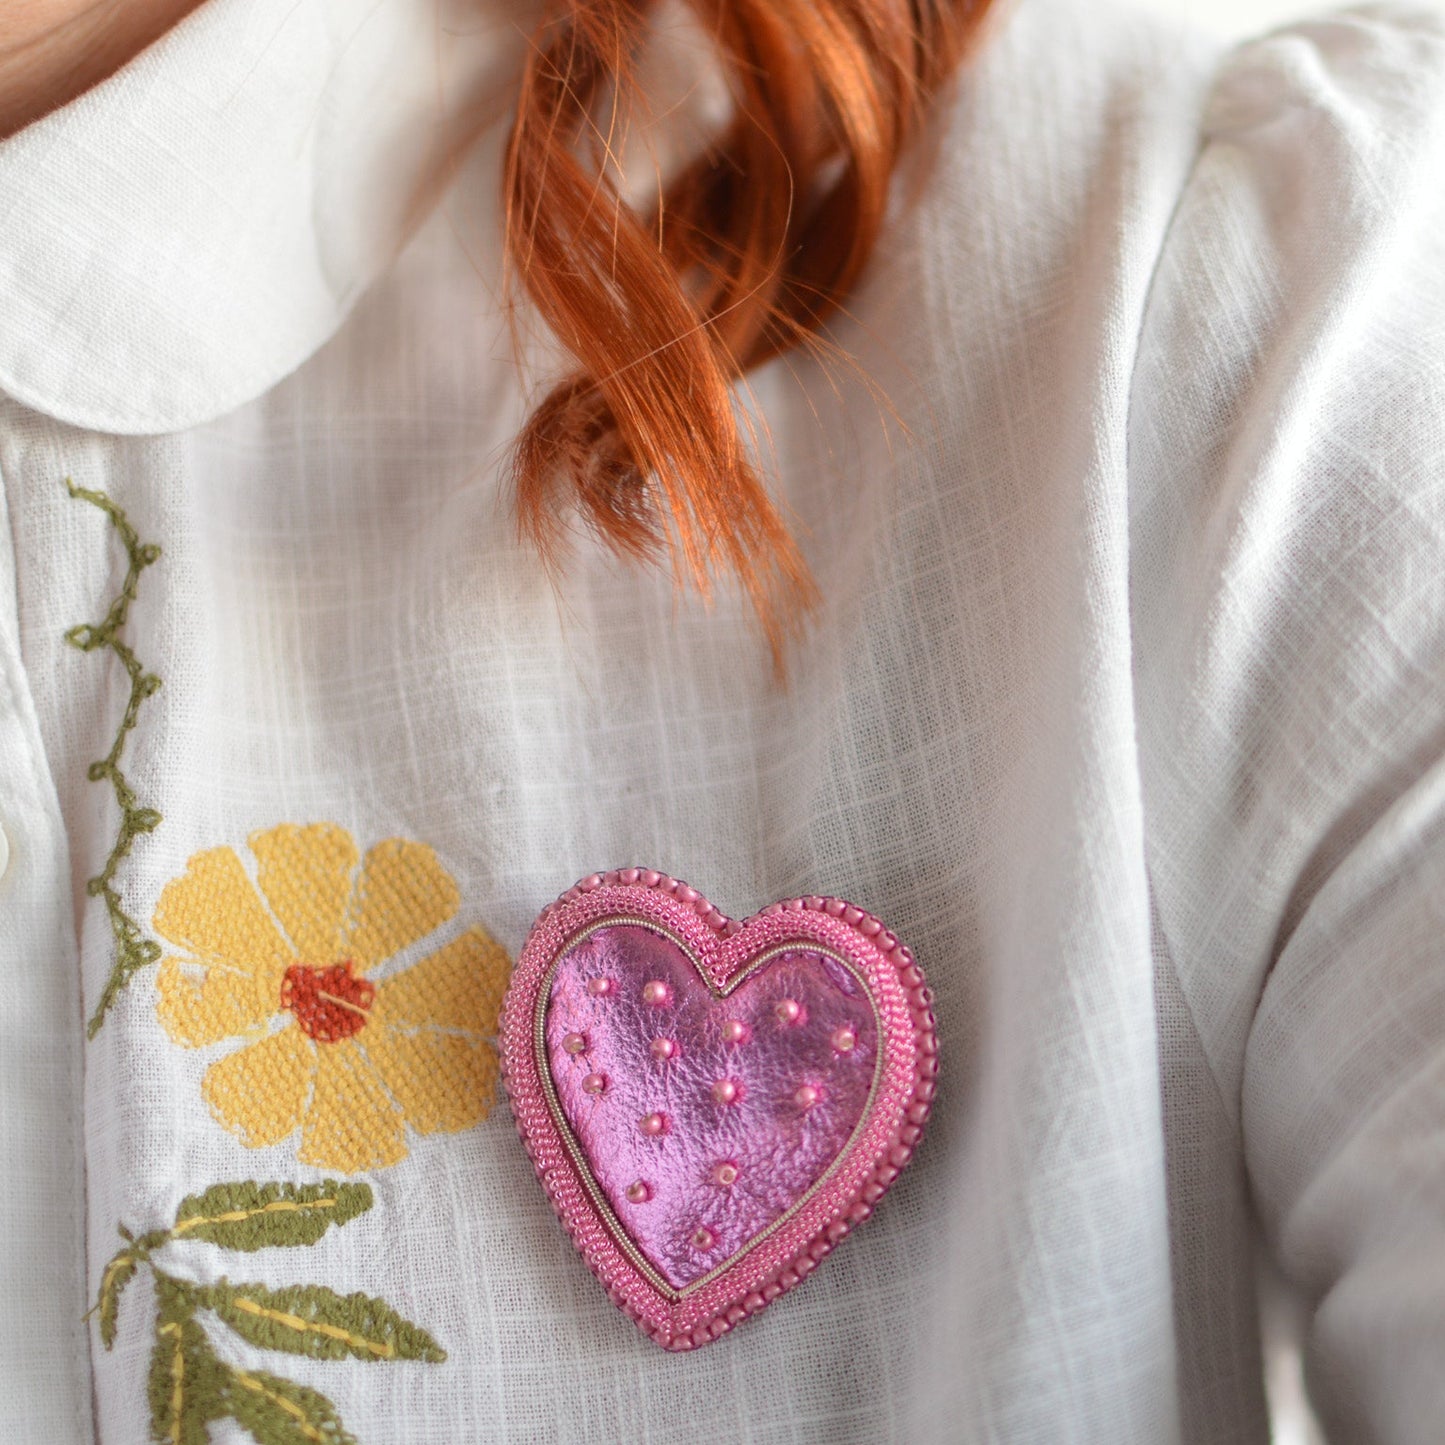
1123,709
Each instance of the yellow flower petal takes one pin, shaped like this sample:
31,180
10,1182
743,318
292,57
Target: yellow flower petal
204,1004
213,911
444,1082
259,1092
402,895
458,987
351,1123
305,875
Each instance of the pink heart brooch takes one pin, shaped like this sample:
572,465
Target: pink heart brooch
712,1105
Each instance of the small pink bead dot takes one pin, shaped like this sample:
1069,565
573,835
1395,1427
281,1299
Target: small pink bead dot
725,1173
664,1049
735,1031
653,1124
594,1083
806,1095
703,1238
788,1011
638,1192
656,992
727,1091
574,1043
844,1040
597,987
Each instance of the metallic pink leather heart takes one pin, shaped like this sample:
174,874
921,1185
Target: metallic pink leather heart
710,1105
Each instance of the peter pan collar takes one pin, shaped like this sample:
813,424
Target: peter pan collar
180,238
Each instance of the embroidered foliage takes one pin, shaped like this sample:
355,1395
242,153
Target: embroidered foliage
186,1384
281,1412
309,1320
256,1216
189,1385
133,951
117,1275
338,1044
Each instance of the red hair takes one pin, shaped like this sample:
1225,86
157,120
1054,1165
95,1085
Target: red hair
743,255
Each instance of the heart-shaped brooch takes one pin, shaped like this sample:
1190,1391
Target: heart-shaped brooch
712,1105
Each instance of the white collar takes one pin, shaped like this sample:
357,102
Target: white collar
180,238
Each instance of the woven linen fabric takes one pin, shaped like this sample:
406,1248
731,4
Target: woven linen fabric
1125,708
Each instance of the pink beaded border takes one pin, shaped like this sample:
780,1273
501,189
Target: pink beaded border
722,949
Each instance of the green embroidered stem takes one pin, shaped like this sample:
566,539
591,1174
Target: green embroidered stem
189,1385
133,951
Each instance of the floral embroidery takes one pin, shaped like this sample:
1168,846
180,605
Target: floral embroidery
189,1384
290,965
133,951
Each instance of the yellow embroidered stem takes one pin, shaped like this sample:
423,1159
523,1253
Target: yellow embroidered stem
133,950
248,1216
178,1375
239,1216
282,1320
277,1399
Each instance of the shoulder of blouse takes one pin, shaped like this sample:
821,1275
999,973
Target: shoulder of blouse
1286,515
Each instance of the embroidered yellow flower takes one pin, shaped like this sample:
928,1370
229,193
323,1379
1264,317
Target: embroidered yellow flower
338,1047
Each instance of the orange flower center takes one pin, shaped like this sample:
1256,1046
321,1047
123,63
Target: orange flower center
329,1003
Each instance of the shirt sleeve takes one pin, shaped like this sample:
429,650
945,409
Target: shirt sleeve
1287,514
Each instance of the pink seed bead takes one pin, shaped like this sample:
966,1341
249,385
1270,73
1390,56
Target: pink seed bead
727,1091
725,1173
664,1049
653,1124
844,1039
599,987
703,1238
788,1011
656,993
574,1043
806,1095
735,1031
638,1192
594,1083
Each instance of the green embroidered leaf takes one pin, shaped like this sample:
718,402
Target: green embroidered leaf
309,1319
249,1216
118,1274
281,1412
187,1381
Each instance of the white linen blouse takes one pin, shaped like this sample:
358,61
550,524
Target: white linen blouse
1125,708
